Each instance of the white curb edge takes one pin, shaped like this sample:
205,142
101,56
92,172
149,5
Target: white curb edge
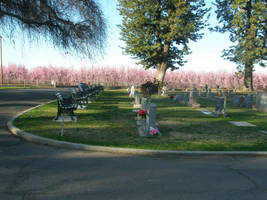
55,143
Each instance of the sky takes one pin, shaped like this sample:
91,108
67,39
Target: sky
206,52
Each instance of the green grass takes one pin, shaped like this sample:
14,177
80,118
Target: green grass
110,121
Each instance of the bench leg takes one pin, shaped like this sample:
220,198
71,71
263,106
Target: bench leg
72,115
58,114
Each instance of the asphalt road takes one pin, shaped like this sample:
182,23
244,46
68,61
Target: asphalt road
30,172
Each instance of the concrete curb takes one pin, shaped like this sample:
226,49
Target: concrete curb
55,143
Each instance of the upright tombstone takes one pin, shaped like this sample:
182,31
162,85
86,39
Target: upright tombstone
238,101
220,106
144,103
193,100
164,91
261,101
54,84
137,100
199,93
182,98
208,93
220,93
248,101
151,116
132,90
195,92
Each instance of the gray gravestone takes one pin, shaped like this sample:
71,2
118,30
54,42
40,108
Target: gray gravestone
220,106
181,98
247,103
192,98
261,101
237,101
151,116
220,93
137,100
208,93
195,93
144,103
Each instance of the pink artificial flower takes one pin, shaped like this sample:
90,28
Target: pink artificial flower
154,132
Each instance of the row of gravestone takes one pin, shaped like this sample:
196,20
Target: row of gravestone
238,101
187,99
191,100
247,101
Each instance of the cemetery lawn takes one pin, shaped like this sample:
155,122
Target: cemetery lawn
110,121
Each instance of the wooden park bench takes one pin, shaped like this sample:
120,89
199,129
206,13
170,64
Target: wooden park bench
79,97
65,105
90,91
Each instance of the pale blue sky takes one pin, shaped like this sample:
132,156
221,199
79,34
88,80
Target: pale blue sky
205,57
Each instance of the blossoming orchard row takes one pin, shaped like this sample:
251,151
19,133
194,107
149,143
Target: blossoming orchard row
124,76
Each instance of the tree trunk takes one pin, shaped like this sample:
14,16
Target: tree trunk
162,67
248,77
161,71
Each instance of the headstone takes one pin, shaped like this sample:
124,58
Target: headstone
237,123
220,106
164,91
220,93
230,92
195,93
248,101
137,100
151,116
261,101
206,88
208,93
144,103
181,98
54,84
193,100
132,90
238,100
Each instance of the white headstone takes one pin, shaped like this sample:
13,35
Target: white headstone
132,90
261,101
137,100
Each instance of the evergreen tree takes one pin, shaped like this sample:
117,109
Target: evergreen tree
76,26
157,32
246,22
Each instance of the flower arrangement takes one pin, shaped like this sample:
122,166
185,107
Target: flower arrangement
142,113
154,131
171,96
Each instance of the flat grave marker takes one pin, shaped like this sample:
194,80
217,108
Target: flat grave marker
245,124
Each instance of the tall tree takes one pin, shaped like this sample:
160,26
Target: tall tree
246,22
157,32
76,26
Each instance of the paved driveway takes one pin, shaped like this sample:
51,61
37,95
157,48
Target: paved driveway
30,172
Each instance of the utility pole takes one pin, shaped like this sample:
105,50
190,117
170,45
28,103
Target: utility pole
1,64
